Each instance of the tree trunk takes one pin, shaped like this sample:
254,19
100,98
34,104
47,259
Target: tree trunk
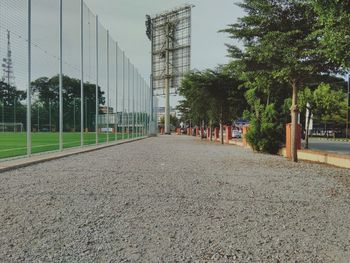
221,127
294,113
221,133
211,131
308,117
202,127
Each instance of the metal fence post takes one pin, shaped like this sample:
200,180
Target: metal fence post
61,79
129,66
142,109
97,83
107,86
123,94
116,120
82,73
133,102
29,89
138,106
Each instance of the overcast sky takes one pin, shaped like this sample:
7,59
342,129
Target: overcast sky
126,22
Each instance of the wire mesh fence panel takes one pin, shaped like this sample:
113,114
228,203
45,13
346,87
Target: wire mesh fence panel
128,99
13,77
138,96
45,80
120,94
89,71
139,89
123,96
71,64
83,89
102,73
112,87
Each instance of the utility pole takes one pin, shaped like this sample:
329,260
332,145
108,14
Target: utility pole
348,109
3,115
74,114
50,126
8,75
167,79
170,36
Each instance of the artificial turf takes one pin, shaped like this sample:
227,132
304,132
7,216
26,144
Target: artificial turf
14,144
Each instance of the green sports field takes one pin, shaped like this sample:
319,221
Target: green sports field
14,144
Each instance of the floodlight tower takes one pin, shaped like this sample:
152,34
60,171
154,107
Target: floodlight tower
170,36
7,65
8,75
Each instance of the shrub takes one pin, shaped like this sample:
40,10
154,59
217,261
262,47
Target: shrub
266,132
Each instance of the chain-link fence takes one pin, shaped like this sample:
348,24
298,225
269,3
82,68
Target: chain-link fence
64,80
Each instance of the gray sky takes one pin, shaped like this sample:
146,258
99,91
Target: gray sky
126,22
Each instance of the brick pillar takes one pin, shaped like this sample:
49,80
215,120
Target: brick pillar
289,139
208,133
216,134
228,134
197,132
244,134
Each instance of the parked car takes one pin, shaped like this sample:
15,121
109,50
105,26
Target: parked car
236,134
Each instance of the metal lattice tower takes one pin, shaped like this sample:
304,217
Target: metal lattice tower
7,65
170,35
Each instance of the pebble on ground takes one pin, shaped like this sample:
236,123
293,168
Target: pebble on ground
175,199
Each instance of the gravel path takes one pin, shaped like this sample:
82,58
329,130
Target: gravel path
175,199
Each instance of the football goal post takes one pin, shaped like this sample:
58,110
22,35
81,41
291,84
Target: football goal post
11,127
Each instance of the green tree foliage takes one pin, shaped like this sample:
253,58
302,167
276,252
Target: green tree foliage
333,30
47,92
264,129
279,55
11,103
174,121
212,96
324,103
194,106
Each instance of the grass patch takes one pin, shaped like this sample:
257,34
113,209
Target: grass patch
14,144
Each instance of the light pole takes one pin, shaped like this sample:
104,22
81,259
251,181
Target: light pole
38,118
348,109
14,114
3,115
50,115
74,114
38,107
86,103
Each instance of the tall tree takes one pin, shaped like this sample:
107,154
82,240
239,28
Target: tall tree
277,37
212,96
321,102
333,30
11,103
47,92
195,103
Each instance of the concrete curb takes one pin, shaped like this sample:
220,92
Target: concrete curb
329,139
323,157
17,163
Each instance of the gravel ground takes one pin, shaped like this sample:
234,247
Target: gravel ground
175,199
